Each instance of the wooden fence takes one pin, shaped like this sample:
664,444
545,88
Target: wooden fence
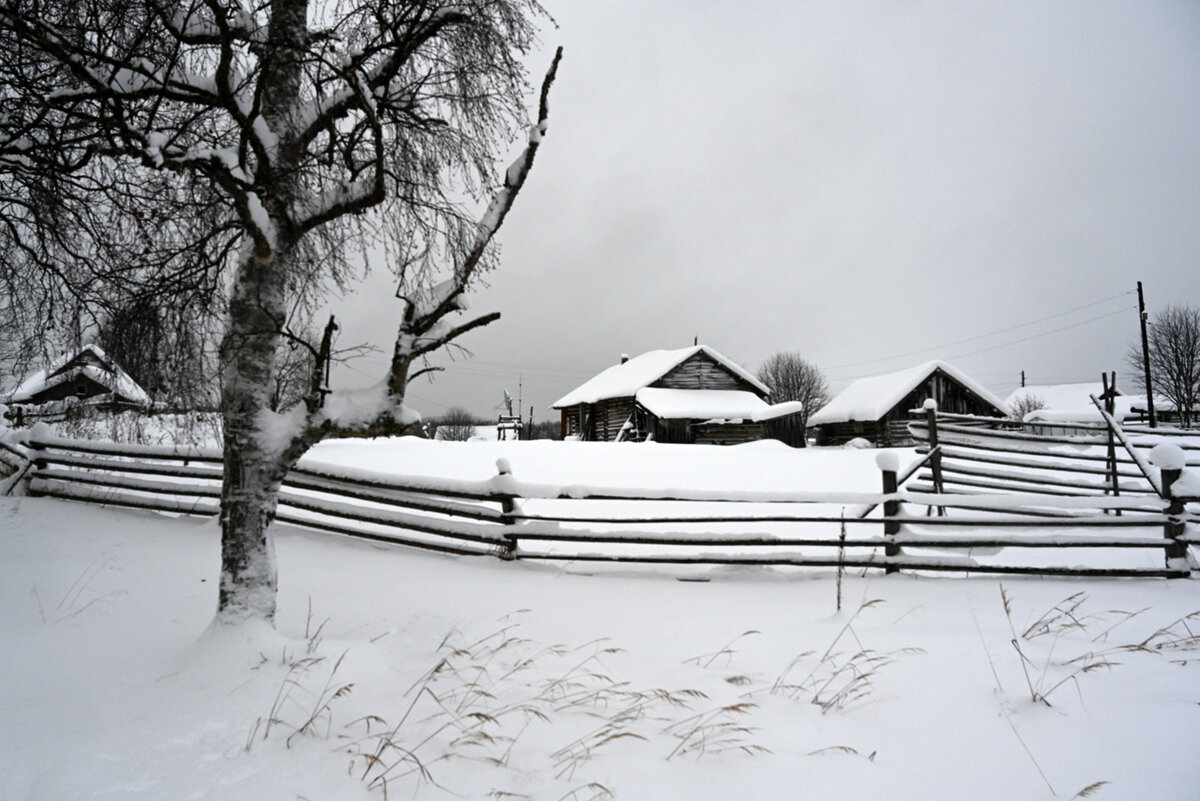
905,526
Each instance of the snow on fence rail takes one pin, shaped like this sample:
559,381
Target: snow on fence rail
503,516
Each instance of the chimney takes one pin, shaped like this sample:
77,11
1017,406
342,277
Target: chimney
624,358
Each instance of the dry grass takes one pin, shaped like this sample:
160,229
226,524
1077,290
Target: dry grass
482,695
841,677
1049,672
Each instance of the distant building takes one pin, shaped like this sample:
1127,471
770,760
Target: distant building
878,408
690,395
1051,409
86,377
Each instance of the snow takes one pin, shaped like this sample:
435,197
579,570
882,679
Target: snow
700,403
711,404
1168,456
518,680
108,374
348,408
872,397
1058,396
1124,406
625,379
888,461
260,218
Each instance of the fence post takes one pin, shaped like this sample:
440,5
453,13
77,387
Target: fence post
1110,406
889,464
1170,460
508,504
935,458
37,461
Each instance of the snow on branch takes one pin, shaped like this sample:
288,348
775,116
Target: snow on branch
423,319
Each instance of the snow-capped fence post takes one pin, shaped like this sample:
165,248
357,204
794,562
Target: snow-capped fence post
935,453
1170,460
889,465
508,504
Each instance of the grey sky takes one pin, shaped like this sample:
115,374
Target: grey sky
861,183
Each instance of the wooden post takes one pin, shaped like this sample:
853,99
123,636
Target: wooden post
1174,528
935,458
889,465
1146,359
1110,406
508,504
1170,460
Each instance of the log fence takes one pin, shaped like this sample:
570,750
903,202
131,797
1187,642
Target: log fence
1001,531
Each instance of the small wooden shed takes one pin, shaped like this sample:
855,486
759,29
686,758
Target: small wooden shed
88,376
690,395
879,408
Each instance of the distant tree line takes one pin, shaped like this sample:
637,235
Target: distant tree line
458,425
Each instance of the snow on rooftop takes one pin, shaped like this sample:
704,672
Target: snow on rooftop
625,379
1059,396
702,404
1087,412
108,373
872,397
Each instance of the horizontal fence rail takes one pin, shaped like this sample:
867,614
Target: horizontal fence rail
1053,513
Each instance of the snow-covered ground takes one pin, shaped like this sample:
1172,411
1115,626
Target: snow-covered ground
405,674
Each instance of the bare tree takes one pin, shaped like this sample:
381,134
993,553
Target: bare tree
268,142
165,354
791,378
1024,404
1174,344
456,425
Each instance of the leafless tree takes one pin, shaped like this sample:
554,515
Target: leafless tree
1173,338
1024,404
242,152
792,378
165,354
456,425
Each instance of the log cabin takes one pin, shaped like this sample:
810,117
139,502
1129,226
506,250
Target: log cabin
87,376
690,395
879,408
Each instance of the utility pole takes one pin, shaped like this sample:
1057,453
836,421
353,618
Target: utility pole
1146,359
1022,379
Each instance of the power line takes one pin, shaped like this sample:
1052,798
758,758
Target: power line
1039,336
990,334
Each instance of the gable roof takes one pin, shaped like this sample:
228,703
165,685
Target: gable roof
99,368
624,380
872,397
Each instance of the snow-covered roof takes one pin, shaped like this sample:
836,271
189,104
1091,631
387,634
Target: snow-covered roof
1081,413
872,397
1059,396
624,380
711,404
106,373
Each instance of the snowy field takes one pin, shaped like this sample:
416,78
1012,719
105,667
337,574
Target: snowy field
403,674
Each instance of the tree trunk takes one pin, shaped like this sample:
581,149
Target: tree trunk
256,441
254,468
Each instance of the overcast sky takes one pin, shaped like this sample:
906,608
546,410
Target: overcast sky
872,185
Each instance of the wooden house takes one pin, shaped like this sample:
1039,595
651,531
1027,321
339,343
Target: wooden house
691,395
87,376
878,408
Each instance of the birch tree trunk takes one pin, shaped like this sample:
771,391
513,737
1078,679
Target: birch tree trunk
255,461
